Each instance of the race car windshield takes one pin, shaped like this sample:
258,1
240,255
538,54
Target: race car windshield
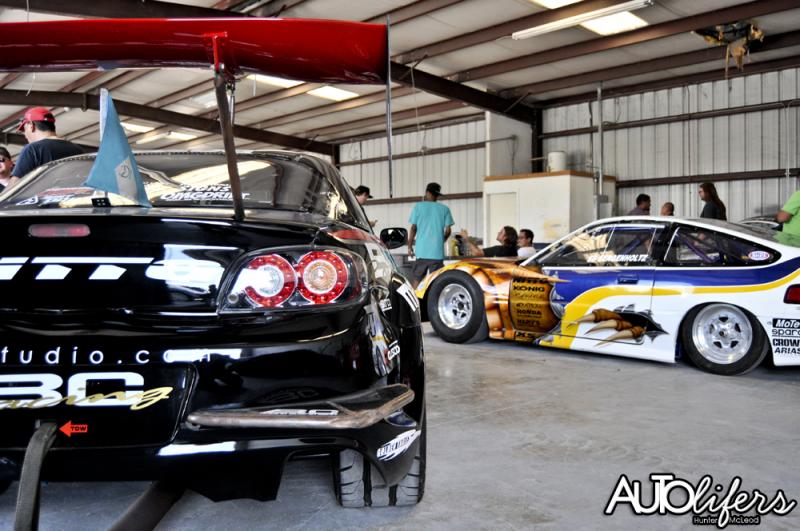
278,181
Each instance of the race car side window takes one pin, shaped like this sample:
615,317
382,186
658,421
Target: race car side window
695,247
607,246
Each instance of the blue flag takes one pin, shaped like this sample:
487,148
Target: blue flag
115,169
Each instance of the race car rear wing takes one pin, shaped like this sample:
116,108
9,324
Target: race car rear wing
301,49
307,50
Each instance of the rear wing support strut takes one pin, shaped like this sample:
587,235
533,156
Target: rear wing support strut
225,84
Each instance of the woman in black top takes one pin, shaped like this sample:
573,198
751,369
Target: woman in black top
508,244
714,208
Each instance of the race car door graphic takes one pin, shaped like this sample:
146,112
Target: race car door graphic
602,285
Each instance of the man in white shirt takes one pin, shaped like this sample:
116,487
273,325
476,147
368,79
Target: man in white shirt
525,243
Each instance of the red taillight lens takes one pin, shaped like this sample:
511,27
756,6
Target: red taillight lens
294,278
59,230
269,280
792,295
323,276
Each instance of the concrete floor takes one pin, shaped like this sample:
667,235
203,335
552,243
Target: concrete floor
524,438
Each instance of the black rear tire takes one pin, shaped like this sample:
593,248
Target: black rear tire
359,484
471,329
692,332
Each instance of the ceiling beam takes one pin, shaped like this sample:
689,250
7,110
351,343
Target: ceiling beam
771,42
678,81
499,31
455,91
118,9
91,101
411,11
9,78
396,117
628,38
271,8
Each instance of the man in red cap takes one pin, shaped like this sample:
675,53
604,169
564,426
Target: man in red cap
39,126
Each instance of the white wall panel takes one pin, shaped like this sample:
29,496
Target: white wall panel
736,143
457,172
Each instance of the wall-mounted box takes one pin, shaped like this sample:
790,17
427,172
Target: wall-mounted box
551,204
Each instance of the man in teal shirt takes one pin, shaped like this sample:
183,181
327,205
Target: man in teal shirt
430,228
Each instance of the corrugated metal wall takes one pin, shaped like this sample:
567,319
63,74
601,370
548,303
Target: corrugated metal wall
743,142
457,172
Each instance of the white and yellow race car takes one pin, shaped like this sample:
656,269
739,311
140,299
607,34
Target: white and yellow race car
723,294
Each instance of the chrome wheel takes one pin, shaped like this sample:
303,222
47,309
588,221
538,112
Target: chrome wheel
455,306
722,333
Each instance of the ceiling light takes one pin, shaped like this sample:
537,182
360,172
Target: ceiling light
570,22
276,81
177,135
612,24
332,93
150,138
136,128
555,4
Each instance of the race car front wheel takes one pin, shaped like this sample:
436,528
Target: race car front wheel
359,484
456,308
724,339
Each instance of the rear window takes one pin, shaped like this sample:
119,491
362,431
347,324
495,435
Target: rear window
269,181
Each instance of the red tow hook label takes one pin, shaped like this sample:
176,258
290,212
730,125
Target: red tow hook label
69,428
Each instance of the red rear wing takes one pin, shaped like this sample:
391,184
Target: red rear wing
308,50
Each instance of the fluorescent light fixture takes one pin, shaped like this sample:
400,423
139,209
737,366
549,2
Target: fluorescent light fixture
332,93
137,128
276,81
570,22
625,21
555,4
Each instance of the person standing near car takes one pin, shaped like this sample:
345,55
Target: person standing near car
714,207
430,227
642,207
6,165
788,215
44,145
362,195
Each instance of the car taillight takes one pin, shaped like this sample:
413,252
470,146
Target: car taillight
323,276
270,280
295,278
792,295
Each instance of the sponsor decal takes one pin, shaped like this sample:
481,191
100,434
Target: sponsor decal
302,412
530,305
407,292
708,503
16,391
616,258
786,336
759,256
393,351
398,445
214,192
69,428
385,305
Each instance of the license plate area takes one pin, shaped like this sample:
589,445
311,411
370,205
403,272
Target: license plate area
119,406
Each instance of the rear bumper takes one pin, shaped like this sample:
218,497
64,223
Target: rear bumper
240,453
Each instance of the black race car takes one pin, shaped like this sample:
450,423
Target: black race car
177,342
